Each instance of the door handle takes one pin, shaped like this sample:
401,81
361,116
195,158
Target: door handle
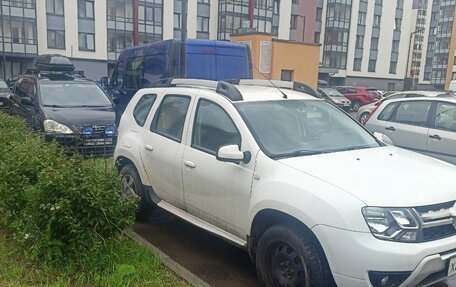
189,164
149,148
435,137
391,128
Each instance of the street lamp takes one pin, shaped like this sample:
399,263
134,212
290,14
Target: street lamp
407,73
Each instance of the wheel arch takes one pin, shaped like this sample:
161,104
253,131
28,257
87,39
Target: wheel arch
268,217
122,160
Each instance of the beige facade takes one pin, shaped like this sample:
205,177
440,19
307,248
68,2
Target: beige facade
282,60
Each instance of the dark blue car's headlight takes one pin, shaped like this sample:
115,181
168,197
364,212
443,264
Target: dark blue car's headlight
87,131
110,131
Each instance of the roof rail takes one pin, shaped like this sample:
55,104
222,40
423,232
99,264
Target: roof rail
222,87
297,86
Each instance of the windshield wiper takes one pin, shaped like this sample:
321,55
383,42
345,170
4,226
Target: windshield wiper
55,106
356,147
301,152
93,106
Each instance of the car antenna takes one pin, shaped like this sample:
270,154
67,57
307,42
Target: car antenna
272,83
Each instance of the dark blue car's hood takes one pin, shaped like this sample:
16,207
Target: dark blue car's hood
79,117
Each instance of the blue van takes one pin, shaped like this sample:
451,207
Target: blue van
139,67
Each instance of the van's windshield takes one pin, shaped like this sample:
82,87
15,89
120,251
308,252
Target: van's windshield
73,95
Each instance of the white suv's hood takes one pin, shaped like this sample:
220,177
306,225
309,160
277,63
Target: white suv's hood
387,176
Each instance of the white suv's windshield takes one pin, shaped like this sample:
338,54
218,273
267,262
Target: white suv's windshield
288,128
73,95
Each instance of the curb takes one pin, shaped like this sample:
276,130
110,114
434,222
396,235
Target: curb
170,263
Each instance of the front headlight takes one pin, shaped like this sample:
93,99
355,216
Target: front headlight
393,224
51,126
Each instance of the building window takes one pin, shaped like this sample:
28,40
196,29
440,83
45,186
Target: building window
86,42
395,47
361,18
54,7
359,41
85,9
400,4
391,86
357,64
204,1
203,24
397,24
286,75
177,21
377,20
393,67
317,37
372,65
319,14
427,76
294,22
56,39
374,43
378,2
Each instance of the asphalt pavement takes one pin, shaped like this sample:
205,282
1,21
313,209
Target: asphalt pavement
210,258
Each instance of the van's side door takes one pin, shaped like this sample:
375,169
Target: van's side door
134,70
116,87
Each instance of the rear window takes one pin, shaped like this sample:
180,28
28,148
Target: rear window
143,107
385,115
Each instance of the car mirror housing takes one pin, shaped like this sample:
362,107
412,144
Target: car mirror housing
383,138
231,153
27,101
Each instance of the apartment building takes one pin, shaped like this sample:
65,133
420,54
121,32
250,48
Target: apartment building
364,42
18,36
433,50
93,33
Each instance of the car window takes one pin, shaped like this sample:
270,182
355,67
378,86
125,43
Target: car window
25,88
298,128
213,128
413,113
385,115
413,96
143,107
117,75
445,117
73,94
170,117
352,91
134,73
397,96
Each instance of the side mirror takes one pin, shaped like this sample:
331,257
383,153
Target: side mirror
383,138
231,153
27,101
104,81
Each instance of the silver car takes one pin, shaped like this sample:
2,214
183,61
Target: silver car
365,111
425,125
335,97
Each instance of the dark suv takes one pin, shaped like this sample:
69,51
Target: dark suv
359,96
66,106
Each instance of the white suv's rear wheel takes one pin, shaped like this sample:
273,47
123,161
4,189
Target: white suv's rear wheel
287,257
132,186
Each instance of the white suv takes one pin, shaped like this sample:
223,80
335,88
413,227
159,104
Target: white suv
312,196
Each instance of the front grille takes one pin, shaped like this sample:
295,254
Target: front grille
438,221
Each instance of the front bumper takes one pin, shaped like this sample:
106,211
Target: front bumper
351,255
95,145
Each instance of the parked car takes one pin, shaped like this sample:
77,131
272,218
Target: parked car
359,96
425,125
66,107
4,96
271,170
365,111
335,97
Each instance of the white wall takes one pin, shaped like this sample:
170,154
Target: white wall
168,19
213,20
284,20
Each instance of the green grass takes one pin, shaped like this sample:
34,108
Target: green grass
121,262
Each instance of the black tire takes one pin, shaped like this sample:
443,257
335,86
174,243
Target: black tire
364,117
286,256
356,105
132,186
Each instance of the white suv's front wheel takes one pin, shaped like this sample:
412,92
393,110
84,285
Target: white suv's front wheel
287,257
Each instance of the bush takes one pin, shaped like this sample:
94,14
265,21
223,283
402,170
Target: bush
58,205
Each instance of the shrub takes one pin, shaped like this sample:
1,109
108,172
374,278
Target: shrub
58,205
